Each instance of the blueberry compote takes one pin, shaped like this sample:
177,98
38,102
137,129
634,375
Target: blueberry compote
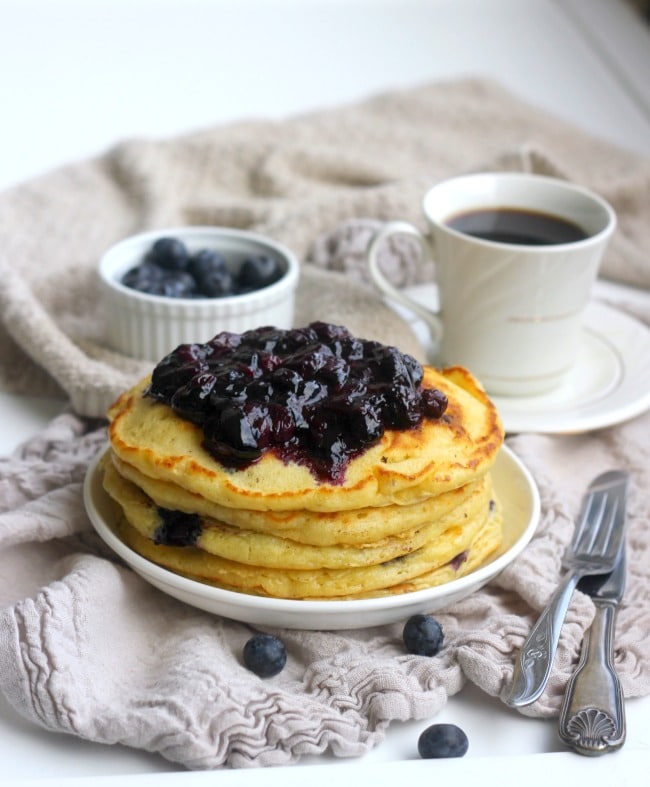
315,395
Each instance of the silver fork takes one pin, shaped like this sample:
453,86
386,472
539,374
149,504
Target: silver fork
593,550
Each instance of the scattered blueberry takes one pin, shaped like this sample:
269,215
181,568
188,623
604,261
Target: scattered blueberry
265,655
315,395
423,635
169,269
442,740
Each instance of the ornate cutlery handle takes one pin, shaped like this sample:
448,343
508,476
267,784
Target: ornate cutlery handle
533,666
592,720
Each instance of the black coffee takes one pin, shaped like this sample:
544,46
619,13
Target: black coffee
518,226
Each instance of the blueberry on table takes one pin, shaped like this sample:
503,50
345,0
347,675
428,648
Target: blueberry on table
442,740
423,635
265,655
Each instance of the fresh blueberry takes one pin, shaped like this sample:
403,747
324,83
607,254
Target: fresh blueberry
170,270
442,740
422,635
206,261
178,285
265,655
169,254
216,283
258,272
146,277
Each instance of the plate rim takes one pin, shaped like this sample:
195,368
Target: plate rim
325,611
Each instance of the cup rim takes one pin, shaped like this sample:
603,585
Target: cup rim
563,185
110,260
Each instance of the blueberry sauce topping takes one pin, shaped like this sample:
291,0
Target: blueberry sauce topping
168,268
317,395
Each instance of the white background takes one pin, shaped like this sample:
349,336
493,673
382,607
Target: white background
76,77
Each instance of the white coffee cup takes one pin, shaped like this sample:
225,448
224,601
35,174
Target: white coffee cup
509,311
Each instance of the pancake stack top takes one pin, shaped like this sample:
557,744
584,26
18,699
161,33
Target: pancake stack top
305,463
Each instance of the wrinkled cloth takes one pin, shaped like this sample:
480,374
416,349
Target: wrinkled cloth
87,647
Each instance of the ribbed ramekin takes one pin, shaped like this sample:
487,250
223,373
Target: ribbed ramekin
150,326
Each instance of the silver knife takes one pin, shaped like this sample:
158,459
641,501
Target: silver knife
592,720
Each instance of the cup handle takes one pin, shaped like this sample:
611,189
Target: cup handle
372,256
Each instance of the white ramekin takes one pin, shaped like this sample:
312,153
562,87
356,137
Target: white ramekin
150,326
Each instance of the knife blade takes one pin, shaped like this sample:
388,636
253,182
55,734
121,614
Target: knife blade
592,719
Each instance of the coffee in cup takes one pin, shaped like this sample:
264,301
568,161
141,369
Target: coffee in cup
516,256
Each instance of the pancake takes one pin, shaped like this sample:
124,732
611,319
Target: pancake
261,549
461,548
305,464
357,527
404,467
484,546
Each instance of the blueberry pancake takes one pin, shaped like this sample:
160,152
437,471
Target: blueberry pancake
292,420
305,463
459,548
354,527
171,527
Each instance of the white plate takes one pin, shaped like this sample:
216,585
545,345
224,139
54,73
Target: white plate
513,484
610,382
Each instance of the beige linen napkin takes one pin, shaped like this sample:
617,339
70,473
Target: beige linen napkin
294,180
86,646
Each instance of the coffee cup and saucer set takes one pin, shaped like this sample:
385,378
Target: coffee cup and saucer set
516,260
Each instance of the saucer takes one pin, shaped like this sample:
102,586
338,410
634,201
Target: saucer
609,383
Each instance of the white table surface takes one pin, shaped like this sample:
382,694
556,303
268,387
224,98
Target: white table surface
77,76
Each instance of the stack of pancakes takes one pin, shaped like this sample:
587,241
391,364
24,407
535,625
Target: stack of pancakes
414,510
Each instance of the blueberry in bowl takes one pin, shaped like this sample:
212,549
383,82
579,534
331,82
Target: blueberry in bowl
167,287
171,269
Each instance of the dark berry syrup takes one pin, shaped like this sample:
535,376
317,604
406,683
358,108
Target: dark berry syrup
317,395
